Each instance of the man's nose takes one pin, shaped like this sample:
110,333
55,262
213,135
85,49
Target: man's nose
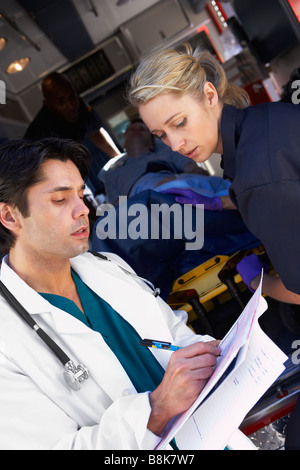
80,208
72,105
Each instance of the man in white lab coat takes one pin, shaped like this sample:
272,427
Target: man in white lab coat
95,312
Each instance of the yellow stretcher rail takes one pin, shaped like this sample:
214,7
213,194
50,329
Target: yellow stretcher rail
217,278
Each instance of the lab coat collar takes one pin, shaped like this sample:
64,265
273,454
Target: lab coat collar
121,291
124,293
71,342
28,297
35,304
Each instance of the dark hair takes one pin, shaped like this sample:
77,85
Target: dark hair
20,163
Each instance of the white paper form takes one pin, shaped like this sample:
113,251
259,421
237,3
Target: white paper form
212,424
244,348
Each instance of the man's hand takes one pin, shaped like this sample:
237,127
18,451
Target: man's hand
185,377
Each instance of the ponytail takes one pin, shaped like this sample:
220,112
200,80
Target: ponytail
182,72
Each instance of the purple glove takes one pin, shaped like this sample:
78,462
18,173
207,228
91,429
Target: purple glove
249,268
188,196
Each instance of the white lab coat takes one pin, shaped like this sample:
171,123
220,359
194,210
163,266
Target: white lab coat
37,409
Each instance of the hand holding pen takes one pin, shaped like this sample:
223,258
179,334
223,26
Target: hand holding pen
186,374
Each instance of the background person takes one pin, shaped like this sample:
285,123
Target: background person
65,115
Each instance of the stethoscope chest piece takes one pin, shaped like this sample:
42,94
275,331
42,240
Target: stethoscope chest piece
75,375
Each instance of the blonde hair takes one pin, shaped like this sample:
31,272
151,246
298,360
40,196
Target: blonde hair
183,71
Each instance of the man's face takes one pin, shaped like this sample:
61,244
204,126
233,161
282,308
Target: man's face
138,132
63,101
57,226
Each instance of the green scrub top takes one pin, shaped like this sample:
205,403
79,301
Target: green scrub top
118,334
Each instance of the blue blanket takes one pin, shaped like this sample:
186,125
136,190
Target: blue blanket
163,260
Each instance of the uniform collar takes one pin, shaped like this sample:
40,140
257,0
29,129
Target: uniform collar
229,140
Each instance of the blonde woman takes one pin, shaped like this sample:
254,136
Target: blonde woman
184,98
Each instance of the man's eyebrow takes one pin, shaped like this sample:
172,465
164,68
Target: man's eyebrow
64,188
166,122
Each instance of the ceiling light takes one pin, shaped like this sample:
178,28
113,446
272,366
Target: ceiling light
18,65
2,43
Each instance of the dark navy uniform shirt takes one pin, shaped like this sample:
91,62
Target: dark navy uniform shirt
261,156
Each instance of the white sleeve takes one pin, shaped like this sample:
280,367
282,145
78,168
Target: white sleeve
123,426
30,420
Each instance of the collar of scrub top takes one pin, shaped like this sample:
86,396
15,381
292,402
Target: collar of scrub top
73,374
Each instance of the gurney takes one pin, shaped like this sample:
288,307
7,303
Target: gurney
209,287
204,293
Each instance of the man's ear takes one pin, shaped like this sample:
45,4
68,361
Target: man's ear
9,216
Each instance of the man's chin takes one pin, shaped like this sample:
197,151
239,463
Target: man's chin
80,249
71,119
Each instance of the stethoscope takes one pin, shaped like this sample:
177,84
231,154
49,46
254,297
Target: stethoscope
73,374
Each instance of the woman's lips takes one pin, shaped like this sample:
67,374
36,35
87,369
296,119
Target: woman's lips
192,153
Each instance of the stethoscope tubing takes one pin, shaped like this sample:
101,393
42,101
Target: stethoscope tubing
15,304
73,374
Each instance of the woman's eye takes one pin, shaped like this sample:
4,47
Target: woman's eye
162,136
182,123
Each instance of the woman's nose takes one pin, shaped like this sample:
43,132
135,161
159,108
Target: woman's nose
176,143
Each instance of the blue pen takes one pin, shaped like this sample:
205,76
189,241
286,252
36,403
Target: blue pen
151,343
